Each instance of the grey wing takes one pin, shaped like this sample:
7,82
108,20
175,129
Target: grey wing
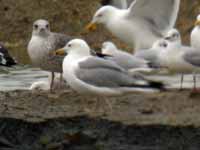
128,61
96,62
161,14
105,73
104,77
192,57
60,40
149,55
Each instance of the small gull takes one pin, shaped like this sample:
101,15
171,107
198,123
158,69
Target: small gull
152,54
173,38
92,75
141,24
122,58
5,58
42,45
179,58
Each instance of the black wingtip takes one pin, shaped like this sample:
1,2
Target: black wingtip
157,85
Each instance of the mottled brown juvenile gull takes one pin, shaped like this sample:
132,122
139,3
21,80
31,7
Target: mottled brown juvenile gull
42,45
144,22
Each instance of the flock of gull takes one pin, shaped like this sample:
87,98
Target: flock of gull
146,26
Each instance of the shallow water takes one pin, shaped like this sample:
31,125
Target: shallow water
20,77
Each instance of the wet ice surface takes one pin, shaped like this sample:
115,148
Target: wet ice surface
21,78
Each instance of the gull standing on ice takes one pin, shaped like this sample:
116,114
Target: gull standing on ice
42,45
140,25
92,75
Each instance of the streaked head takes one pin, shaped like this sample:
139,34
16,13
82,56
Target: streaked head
102,16
173,36
197,23
76,46
41,27
108,47
160,44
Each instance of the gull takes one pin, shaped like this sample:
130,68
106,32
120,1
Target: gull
195,34
174,41
122,58
179,58
5,58
42,45
91,75
152,54
140,25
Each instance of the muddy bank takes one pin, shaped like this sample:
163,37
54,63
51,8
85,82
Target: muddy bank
165,108
66,120
83,133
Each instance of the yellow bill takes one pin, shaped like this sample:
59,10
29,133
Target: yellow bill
60,52
197,23
91,27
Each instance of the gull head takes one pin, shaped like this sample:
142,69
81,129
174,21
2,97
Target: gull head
197,23
108,48
41,27
102,16
75,47
160,44
173,36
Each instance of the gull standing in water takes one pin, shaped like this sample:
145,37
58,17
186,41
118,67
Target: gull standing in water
42,45
140,25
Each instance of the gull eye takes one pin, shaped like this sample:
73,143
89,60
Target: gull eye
175,35
69,45
99,15
164,44
47,26
35,26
